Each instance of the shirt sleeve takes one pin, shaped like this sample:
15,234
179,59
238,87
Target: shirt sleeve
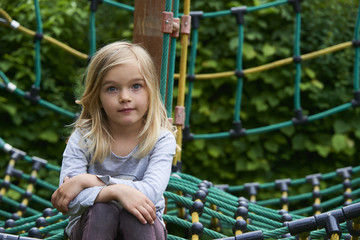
74,163
157,174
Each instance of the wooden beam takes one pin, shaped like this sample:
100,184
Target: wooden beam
147,27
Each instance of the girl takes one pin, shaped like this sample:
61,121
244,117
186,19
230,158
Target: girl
117,162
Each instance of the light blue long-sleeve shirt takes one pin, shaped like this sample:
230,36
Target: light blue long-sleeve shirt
150,174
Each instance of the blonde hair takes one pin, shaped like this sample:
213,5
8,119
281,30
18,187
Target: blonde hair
92,121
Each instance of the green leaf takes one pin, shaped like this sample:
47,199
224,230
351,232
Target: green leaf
341,126
268,50
288,131
322,150
310,73
214,151
49,136
339,142
249,51
271,146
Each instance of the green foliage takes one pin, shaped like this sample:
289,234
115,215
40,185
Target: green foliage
319,146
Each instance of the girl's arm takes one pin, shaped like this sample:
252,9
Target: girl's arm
70,188
81,189
131,200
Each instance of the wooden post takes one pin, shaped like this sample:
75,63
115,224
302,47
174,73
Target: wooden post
147,27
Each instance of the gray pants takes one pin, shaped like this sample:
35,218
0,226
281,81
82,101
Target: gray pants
106,221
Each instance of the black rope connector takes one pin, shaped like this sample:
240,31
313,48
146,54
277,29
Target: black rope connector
252,188
314,179
356,101
197,228
296,4
299,117
33,95
242,212
195,18
10,223
177,167
38,163
352,211
297,59
344,172
302,225
191,77
94,4
239,13
34,232
47,212
198,207
238,130
332,226
27,195
187,135
356,43
40,222
22,207
239,74
240,224
38,36
15,216
283,184
223,187
200,194
17,154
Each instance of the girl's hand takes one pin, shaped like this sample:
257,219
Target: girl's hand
70,188
132,200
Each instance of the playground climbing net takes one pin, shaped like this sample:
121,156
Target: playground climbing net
196,207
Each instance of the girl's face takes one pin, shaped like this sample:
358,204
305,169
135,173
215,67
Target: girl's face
124,97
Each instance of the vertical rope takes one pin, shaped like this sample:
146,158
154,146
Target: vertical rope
165,57
239,87
170,85
182,80
38,45
357,52
194,43
297,103
92,33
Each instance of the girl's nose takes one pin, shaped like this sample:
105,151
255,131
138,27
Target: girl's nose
124,96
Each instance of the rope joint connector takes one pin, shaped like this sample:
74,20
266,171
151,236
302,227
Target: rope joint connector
187,135
195,18
238,130
38,163
356,101
299,117
33,95
356,43
239,13
296,5
94,4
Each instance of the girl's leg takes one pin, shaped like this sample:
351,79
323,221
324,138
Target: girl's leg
98,222
131,228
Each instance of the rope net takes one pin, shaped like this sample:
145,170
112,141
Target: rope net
197,209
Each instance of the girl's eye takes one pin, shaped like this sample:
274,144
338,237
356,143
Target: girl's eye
111,89
136,86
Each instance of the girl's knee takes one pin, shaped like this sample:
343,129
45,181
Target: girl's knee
104,209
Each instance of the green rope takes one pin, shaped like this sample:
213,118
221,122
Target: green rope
38,45
119,5
191,71
172,60
239,67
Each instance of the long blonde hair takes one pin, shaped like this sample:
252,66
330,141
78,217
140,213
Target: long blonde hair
92,121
